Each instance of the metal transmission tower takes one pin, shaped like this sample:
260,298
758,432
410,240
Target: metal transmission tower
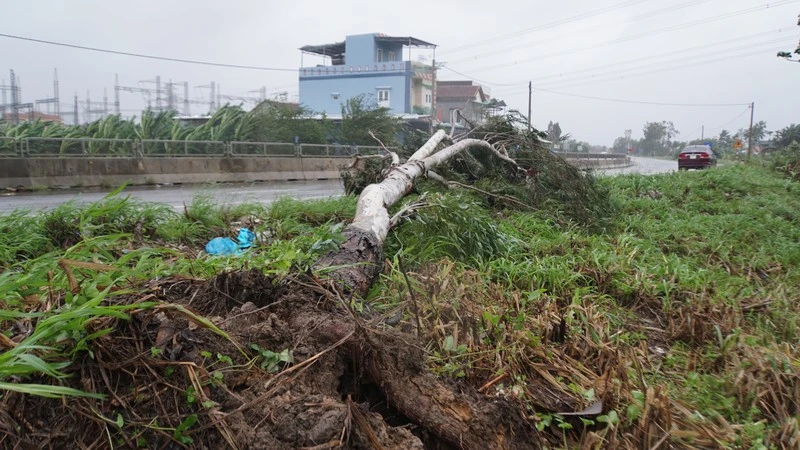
95,108
16,100
15,95
116,94
53,100
243,99
74,114
158,91
170,94
147,93
3,89
282,97
186,98
212,105
262,93
173,99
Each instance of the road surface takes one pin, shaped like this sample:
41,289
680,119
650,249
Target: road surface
645,166
176,196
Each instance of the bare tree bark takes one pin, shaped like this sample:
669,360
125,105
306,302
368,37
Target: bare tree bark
367,233
465,420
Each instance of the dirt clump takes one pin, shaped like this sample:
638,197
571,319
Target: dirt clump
248,361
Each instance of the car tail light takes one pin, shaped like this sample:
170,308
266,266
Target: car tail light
683,156
705,155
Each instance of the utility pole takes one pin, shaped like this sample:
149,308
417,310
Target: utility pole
750,137
702,132
530,95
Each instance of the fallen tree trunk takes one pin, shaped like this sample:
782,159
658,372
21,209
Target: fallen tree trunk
358,260
466,420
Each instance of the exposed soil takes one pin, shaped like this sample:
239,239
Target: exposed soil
350,384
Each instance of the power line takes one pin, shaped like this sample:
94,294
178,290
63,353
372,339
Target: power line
542,27
616,100
660,64
479,81
649,72
545,26
642,35
660,70
140,55
732,120
633,71
628,74
661,55
633,19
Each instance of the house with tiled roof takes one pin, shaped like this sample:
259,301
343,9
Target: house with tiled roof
24,116
464,102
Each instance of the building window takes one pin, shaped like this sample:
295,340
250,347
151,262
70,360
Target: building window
427,99
391,56
380,55
383,98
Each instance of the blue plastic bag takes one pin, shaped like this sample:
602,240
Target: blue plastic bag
227,246
246,238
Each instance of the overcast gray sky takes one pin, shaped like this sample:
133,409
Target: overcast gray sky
667,51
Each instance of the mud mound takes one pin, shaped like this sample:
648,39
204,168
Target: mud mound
247,361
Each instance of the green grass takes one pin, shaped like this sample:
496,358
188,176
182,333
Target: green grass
111,247
705,266
685,302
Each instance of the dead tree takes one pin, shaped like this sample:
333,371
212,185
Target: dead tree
468,421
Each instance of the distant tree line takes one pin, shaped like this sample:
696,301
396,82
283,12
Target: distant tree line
660,139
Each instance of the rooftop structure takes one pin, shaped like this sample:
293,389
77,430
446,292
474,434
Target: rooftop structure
372,66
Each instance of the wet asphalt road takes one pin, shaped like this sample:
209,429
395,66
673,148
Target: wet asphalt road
176,196
644,166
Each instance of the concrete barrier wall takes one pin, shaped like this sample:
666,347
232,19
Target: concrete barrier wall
35,172
88,171
596,160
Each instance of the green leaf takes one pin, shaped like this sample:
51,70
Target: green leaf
44,390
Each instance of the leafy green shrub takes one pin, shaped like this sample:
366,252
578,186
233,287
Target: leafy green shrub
451,225
788,161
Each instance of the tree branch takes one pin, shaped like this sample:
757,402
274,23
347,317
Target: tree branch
429,147
395,158
450,184
371,211
357,158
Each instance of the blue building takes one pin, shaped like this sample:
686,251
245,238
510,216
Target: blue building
371,65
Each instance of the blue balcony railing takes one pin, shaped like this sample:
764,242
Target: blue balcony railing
355,69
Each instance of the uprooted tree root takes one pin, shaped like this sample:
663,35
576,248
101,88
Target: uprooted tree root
173,381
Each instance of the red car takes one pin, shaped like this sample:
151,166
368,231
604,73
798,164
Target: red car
696,157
